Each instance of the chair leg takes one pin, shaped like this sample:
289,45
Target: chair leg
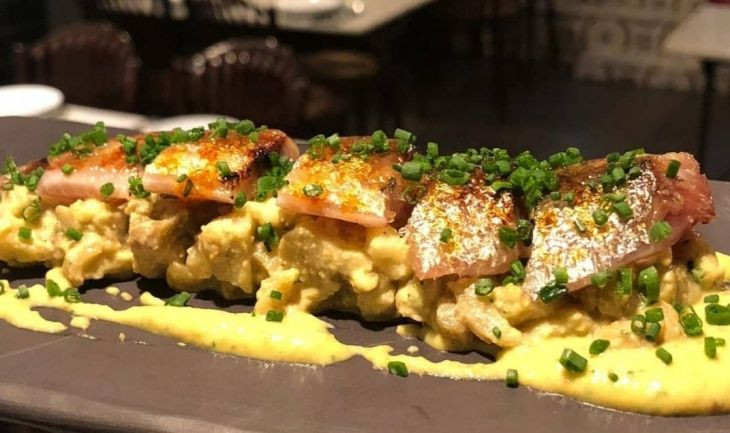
552,33
500,96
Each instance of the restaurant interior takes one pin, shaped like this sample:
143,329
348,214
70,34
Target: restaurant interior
519,74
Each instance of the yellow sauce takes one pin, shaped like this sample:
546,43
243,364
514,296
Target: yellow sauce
692,384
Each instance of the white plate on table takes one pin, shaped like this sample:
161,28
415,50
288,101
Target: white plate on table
187,121
311,7
29,100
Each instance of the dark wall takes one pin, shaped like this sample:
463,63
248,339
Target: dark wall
20,21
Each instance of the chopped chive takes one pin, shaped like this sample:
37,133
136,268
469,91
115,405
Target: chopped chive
555,195
224,170
649,282
265,233
623,210
654,314
664,355
32,212
600,217
72,295
512,378
398,368
613,377
25,233
412,170
673,168
712,299
561,275
23,292
660,231
551,292
446,235
136,188
106,190
572,361
717,314
239,200
67,169
274,316
53,289
508,236
601,279
626,281
454,177
497,332
598,346
638,324
275,294
312,190
182,178
498,185
579,225
615,197
188,188
691,323
518,270
569,197
74,234
484,286
432,150
710,347
179,299
652,331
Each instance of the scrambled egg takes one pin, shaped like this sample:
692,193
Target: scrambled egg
316,264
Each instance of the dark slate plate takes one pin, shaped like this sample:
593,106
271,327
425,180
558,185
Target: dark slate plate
148,383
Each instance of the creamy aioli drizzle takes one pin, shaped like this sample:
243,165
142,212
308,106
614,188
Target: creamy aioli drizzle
692,384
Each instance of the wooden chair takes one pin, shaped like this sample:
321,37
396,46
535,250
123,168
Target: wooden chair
91,63
257,79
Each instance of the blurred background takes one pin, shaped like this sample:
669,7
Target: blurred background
601,75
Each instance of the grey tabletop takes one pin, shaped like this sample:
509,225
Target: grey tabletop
148,383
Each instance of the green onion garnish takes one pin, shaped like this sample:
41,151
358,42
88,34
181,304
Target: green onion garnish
638,324
32,212
136,188
25,233
446,235
497,332
178,300
673,168
710,347
23,292
598,346
106,190
660,231
649,283
72,295
561,275
664,355
275,294
188,188
712,299
239,200
67,169
182,178
412,170
74,234
265,233
691,322
600,217
654,314
601,279
512,379
613,377
551,292
398,368
717,314
572,361
484,286
579,225
224,170
53,289
518,270
274,316
615,197
312,190
626,281
623,210
454,177
652,331
508,236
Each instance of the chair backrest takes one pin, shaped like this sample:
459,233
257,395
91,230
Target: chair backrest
257,79
106,8
91,63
